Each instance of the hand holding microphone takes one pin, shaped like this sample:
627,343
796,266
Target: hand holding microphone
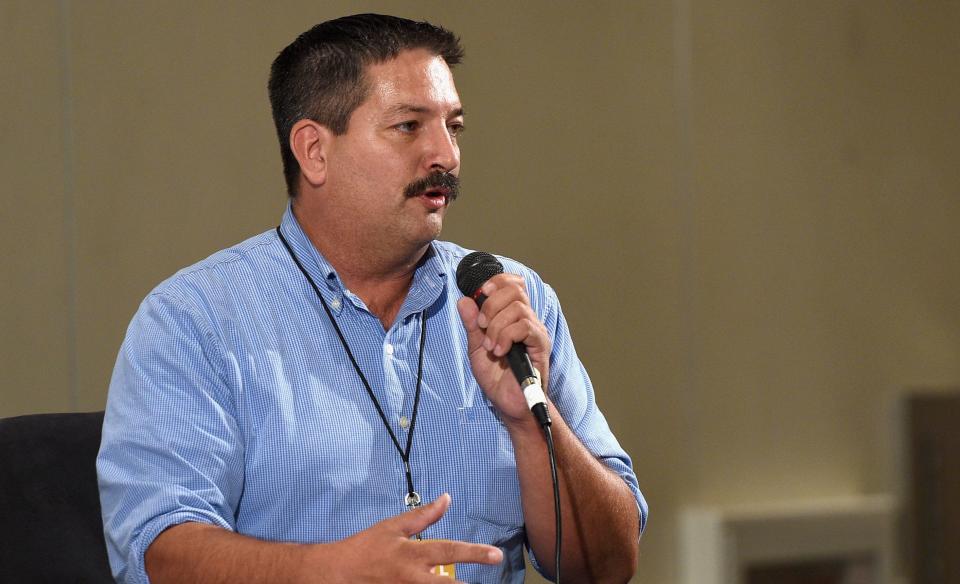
503,332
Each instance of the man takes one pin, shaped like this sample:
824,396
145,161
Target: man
279,410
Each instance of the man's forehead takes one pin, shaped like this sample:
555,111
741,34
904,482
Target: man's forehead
413,82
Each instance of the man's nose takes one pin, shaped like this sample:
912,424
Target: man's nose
441,151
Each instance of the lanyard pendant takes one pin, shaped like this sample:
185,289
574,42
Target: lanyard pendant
412,500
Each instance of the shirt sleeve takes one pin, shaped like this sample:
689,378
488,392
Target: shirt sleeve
171,451
572,393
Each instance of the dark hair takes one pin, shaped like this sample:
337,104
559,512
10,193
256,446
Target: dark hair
320,75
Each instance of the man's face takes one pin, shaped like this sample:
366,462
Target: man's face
381,171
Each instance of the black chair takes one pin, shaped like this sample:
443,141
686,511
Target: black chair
50,525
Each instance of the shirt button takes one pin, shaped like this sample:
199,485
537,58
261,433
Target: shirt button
404,422
389,349
335,304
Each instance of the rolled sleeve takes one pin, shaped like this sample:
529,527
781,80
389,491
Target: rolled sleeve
171,451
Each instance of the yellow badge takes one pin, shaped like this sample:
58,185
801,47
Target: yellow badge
448,570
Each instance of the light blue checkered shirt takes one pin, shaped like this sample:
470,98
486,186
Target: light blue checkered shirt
234,403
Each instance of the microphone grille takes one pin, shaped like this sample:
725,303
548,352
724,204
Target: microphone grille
475,269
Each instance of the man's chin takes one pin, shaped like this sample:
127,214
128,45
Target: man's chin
432,228
434,233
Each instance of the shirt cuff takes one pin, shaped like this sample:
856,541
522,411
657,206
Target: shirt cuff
136,572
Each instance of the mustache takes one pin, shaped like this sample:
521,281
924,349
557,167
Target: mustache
443,180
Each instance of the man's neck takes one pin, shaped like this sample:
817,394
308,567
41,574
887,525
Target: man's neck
382,293
381,277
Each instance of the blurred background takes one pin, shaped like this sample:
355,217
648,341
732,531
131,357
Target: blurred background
750,211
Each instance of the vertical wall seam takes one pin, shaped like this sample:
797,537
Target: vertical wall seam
688,236
69,207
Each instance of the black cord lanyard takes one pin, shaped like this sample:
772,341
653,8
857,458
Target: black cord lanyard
412,499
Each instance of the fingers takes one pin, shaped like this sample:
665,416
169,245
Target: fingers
447,551
501,290
399,557
413,522
438,552
507,317
514,324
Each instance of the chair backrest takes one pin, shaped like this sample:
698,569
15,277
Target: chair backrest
50,525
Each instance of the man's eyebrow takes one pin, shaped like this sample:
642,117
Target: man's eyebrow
405,108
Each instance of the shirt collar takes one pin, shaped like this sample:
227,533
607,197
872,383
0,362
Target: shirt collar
313,261
429,279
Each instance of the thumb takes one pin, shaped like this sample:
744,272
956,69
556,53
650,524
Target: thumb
469,312
413,522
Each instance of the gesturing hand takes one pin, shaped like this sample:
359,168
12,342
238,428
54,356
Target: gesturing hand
506,318
384,552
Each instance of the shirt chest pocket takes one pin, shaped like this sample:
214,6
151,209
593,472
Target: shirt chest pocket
490,469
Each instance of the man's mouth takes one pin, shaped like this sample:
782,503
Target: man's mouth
437,187
436,192
435,198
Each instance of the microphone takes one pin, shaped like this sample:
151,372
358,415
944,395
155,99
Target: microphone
472,272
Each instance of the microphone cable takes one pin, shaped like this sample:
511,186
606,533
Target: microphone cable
551,454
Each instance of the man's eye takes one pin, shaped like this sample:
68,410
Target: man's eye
407,126
455,129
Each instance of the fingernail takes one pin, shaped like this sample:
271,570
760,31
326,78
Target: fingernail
482,321
495,555
498,350
488,343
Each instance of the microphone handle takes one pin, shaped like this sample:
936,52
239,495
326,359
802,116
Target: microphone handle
529,381
520,363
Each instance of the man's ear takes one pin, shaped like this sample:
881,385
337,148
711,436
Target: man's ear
310,142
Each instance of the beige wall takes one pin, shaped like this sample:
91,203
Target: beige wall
750,209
